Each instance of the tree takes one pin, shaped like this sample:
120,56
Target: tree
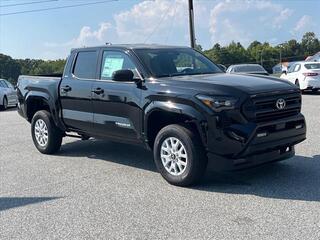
310,43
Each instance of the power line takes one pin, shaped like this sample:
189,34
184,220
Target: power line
53,8
27,3
158,25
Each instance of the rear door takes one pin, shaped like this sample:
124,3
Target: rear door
75,90
116,105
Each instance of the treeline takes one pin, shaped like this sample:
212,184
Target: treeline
264,53
234,53
10,68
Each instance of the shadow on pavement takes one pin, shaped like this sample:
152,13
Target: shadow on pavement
296,179
13,202
130,155
9,109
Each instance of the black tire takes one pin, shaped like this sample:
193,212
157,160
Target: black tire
197,159
4,103
54,134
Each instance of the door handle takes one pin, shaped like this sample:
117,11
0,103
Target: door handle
66,88
98,91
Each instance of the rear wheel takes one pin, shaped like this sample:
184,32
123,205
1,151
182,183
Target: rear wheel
179,155
46,136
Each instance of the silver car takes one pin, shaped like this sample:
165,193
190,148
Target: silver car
8,95
248,69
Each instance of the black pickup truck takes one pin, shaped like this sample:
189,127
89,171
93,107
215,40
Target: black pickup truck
172,100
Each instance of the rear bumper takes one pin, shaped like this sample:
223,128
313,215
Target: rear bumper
310,84
259,144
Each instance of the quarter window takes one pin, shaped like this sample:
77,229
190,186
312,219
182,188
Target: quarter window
297,68
86,65
113,61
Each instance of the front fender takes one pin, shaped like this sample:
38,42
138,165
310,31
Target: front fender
178,108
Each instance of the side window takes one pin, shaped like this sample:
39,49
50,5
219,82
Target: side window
85,65
1,84
6,85
291,68
113,61
297,68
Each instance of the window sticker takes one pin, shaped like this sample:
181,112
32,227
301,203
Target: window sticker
111,64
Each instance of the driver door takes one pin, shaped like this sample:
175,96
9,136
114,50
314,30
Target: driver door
116,105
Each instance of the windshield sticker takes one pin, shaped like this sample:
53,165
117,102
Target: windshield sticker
111,64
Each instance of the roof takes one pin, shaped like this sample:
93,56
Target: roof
245,64
133,46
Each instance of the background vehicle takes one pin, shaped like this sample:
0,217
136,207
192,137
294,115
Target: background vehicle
247,68
8,95
172,100
305,75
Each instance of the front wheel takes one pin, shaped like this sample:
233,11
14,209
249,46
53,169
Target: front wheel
4,104
46,136
179,155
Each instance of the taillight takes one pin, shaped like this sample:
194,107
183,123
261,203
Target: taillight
310,74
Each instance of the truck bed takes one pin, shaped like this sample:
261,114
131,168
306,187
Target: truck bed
42,86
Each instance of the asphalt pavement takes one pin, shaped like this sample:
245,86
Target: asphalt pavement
102,190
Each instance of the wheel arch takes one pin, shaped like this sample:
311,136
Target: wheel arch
36,101
160,114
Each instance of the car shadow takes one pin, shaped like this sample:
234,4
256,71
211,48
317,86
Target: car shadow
297,178
9,109
13,202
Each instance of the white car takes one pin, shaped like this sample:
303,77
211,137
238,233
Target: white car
305,75
8,95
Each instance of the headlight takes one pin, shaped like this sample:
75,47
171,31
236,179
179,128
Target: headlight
218,103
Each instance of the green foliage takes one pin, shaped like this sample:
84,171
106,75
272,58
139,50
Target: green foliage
11,68
264,53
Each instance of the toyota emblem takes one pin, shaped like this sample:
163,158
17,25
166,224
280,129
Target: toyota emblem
281,103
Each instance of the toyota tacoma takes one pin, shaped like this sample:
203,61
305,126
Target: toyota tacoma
172,100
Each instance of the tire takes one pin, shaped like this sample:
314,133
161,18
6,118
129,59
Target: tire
4,103
188,166
46,137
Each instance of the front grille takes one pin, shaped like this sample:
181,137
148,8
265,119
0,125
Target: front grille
262,108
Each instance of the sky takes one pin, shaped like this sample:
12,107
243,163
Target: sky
51,34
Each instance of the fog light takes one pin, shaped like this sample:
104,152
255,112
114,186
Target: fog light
263,134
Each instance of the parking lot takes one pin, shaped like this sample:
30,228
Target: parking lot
102,190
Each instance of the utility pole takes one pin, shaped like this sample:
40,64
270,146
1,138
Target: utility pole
191,25
261,59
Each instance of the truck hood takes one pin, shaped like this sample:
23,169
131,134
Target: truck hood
251,84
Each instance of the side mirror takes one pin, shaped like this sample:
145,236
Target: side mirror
222,67
123,75
284,72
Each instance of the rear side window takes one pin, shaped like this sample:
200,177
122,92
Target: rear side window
85,65
1,84
312,66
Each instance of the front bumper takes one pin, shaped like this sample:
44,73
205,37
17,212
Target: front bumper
256,144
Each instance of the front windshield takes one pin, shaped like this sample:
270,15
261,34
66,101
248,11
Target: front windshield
176,62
